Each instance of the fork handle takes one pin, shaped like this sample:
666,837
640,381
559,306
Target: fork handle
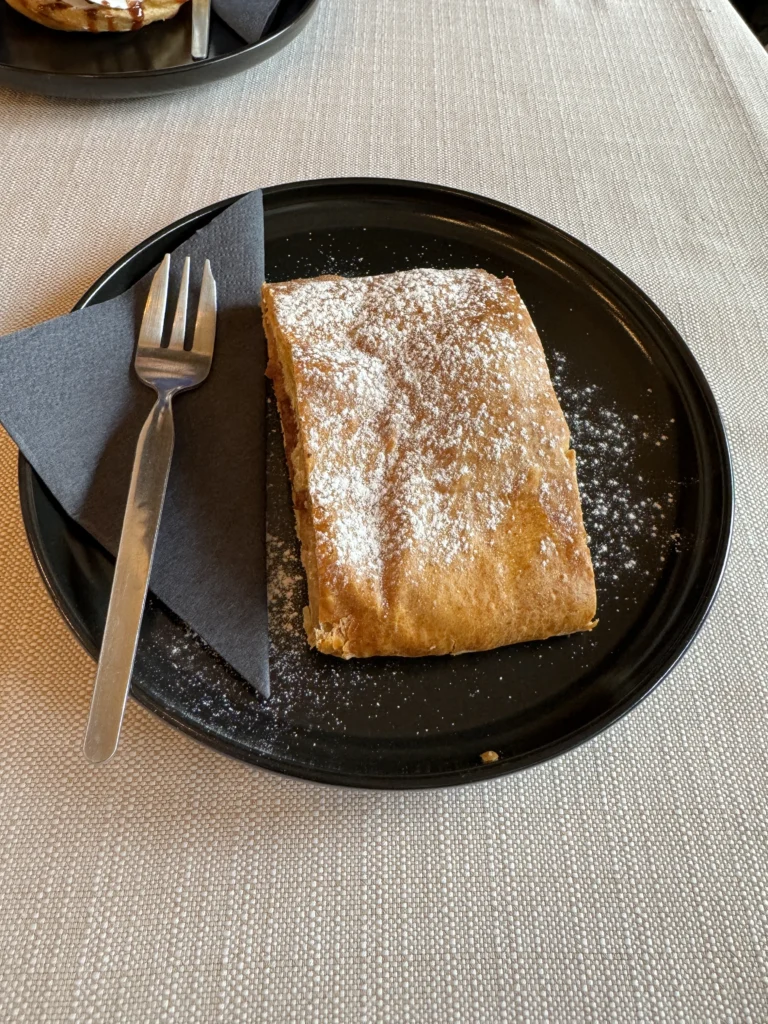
146,495
201,28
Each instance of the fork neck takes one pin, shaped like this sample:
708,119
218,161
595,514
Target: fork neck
165,396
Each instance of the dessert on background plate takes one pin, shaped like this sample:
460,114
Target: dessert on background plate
97,15
434,485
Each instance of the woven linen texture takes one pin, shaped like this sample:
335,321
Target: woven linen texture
625,881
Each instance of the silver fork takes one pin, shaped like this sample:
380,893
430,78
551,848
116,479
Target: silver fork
169,370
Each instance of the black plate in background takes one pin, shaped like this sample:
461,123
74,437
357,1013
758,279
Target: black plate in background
656,482
121,65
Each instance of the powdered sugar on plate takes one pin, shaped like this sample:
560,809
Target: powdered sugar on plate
286,590
623,509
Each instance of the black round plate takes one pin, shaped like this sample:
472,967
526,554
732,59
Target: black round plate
655,476
121,65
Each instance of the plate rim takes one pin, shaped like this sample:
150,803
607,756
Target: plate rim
472,773
276,39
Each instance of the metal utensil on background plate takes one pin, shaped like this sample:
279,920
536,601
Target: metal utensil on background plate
201,28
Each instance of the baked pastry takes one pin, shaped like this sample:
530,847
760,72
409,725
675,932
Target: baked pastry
97,15
433,483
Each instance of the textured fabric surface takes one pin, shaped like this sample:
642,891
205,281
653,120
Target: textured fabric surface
625,881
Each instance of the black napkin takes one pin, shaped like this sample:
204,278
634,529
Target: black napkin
70,399
249,18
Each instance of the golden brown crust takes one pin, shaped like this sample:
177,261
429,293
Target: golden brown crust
89,17
435,491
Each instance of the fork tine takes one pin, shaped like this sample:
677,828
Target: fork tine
151,334
205,323
180,319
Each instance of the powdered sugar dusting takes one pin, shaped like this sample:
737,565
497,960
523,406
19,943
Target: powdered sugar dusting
285,589
430,404
624,512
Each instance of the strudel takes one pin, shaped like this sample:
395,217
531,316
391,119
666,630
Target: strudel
433,481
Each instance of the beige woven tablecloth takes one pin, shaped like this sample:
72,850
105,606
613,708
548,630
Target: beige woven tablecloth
623,882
